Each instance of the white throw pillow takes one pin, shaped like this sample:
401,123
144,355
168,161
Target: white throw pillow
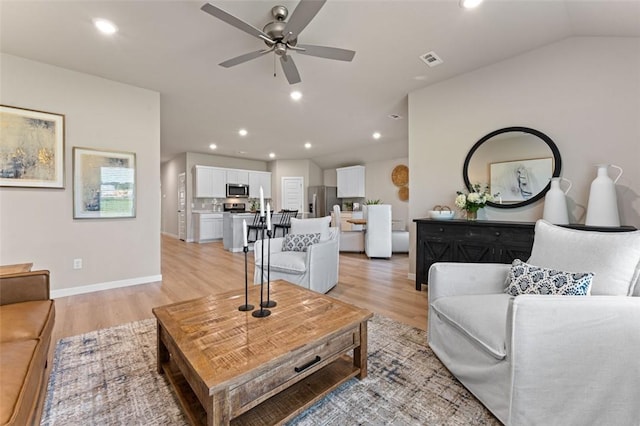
312,226
613,257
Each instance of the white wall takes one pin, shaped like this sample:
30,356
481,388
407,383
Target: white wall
582,92
37,225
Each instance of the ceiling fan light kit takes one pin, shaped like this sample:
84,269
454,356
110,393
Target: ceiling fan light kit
281,36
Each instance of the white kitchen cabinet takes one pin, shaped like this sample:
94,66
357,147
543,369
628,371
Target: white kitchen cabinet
351,182
208,226
210,182
258,179
238,176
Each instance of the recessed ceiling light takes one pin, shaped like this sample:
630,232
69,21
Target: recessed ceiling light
104,26
469,4
296,96
272,155
213,146
307,145
377,135
243,132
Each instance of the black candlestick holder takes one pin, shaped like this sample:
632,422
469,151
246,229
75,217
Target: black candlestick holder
246,306
262,312
268,303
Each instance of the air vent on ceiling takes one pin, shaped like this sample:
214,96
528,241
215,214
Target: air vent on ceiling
431,59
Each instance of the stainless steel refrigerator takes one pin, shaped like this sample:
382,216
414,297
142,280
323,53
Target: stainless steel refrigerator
321,200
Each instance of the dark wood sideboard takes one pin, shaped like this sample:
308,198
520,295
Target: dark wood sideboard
479,241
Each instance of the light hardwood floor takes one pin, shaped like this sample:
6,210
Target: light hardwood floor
192,270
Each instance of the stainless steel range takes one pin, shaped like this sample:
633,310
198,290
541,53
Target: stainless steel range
234,207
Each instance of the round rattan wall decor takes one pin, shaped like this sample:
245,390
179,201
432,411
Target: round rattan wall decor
403,193
400,175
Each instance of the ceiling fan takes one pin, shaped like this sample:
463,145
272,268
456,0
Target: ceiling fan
281,36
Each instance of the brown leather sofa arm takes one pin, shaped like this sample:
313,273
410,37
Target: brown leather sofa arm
24,287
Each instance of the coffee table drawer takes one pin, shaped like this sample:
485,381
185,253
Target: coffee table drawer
291,370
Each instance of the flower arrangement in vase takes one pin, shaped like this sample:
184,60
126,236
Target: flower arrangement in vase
474,200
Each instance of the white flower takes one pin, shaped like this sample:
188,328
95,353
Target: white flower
461,201
474,198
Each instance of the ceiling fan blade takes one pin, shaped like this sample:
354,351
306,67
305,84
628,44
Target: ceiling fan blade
243,58
326,52
290,69
305,11
233,21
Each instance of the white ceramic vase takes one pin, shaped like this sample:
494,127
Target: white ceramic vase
602,209
555,203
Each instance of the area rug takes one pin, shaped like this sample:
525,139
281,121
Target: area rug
108,377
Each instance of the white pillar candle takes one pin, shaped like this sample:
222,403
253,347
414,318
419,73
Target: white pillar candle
244,233
268,216
261,202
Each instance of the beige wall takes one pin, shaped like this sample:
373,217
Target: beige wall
169,171
378,185
307,169
584,93
37,225
196,159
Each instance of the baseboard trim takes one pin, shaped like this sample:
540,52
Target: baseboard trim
168,234
411,276
64,292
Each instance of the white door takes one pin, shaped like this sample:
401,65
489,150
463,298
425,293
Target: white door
292,193
182,206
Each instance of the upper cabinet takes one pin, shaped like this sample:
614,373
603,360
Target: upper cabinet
210,182
257,180
351,182
238,176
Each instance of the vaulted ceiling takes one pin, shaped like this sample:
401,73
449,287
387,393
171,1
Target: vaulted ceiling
174,48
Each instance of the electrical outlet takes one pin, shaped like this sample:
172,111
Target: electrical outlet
77,263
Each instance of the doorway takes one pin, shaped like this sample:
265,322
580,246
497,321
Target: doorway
293,193
182,206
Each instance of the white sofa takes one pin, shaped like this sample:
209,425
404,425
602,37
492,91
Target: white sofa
543,359
316,268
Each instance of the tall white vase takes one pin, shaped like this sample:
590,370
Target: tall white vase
602,209
555,203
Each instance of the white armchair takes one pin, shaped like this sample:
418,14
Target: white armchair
377,239
543,359
316,268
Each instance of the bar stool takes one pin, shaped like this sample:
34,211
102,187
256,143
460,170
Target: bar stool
285,222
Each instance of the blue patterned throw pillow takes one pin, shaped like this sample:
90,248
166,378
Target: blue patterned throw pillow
299,242
529,279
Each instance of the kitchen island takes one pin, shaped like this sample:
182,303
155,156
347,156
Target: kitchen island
232,229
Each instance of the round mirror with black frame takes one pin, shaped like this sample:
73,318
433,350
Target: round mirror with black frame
516,163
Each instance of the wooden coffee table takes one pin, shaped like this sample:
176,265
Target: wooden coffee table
230,367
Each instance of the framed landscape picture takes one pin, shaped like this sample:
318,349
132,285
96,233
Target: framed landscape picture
104,184
520,180
31,148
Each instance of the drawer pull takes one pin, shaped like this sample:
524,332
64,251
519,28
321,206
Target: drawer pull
307,365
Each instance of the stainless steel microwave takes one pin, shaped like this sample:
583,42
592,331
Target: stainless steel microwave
237,190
